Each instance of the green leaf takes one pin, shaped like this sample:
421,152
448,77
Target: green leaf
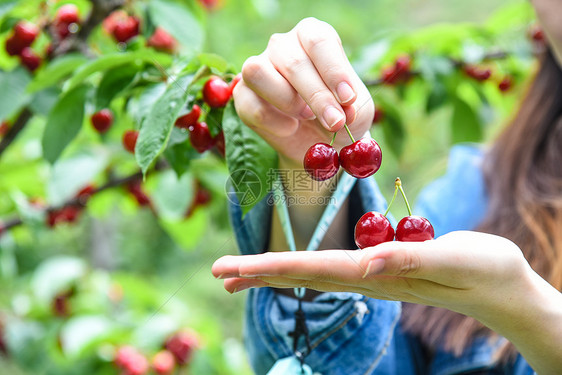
114,82
140,105
157,126
173,195
64,122
68,176
79,331
113,60
55,71
56,274
250,160
12,94
178,20
465,125
436,98
213,61
179,152
44,100
392,126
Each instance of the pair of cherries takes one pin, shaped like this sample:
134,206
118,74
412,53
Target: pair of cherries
360,159
373,228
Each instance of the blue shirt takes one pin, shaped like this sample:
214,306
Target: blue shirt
355,335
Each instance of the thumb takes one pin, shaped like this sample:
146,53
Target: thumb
406,259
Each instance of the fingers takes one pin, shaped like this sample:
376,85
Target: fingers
342,266
261,115
260,75
322,44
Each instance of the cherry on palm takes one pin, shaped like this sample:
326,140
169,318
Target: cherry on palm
414,228
372,229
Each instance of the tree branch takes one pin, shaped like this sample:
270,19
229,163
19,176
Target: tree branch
16,128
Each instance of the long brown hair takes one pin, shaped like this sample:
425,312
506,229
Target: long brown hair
523,173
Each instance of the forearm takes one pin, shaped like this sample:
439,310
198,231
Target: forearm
531,319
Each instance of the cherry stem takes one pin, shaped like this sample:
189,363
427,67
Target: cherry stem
398,185
333,139
349,133
392,200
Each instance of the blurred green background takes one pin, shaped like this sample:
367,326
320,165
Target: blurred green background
164,268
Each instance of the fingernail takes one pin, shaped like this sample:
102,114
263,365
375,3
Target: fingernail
374,267
345,92
241,288
307,113
332,116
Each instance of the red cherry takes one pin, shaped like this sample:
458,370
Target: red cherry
190,119
321,162
402,66
130,140
136,191
67,14
13,46
162,41
216,92
124,356
362,158
479,74
85,193
60,305
102,120
200,137
219,143
536,33
25,33
378,115
182,345
29,59
4,127
163,362
126,29
234,82
389,76
66,214
131,361
414,228
505,84
211,4
372,229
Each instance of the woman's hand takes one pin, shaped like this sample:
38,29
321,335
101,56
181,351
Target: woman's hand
300,90
468,272
477,274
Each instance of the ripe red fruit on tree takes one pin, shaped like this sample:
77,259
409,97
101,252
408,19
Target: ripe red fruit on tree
200,137
66,15
211,4
126,29
321,161
163,362
134,187
362,158
4,127
219,143
30,59
505,84
190,119
234,82
414,228
85,193
162,41
102,120
216,92
61,305
479,74
26,33
372,229
400,72
66,214
130,140
182,345
536,33
131,361
378,115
